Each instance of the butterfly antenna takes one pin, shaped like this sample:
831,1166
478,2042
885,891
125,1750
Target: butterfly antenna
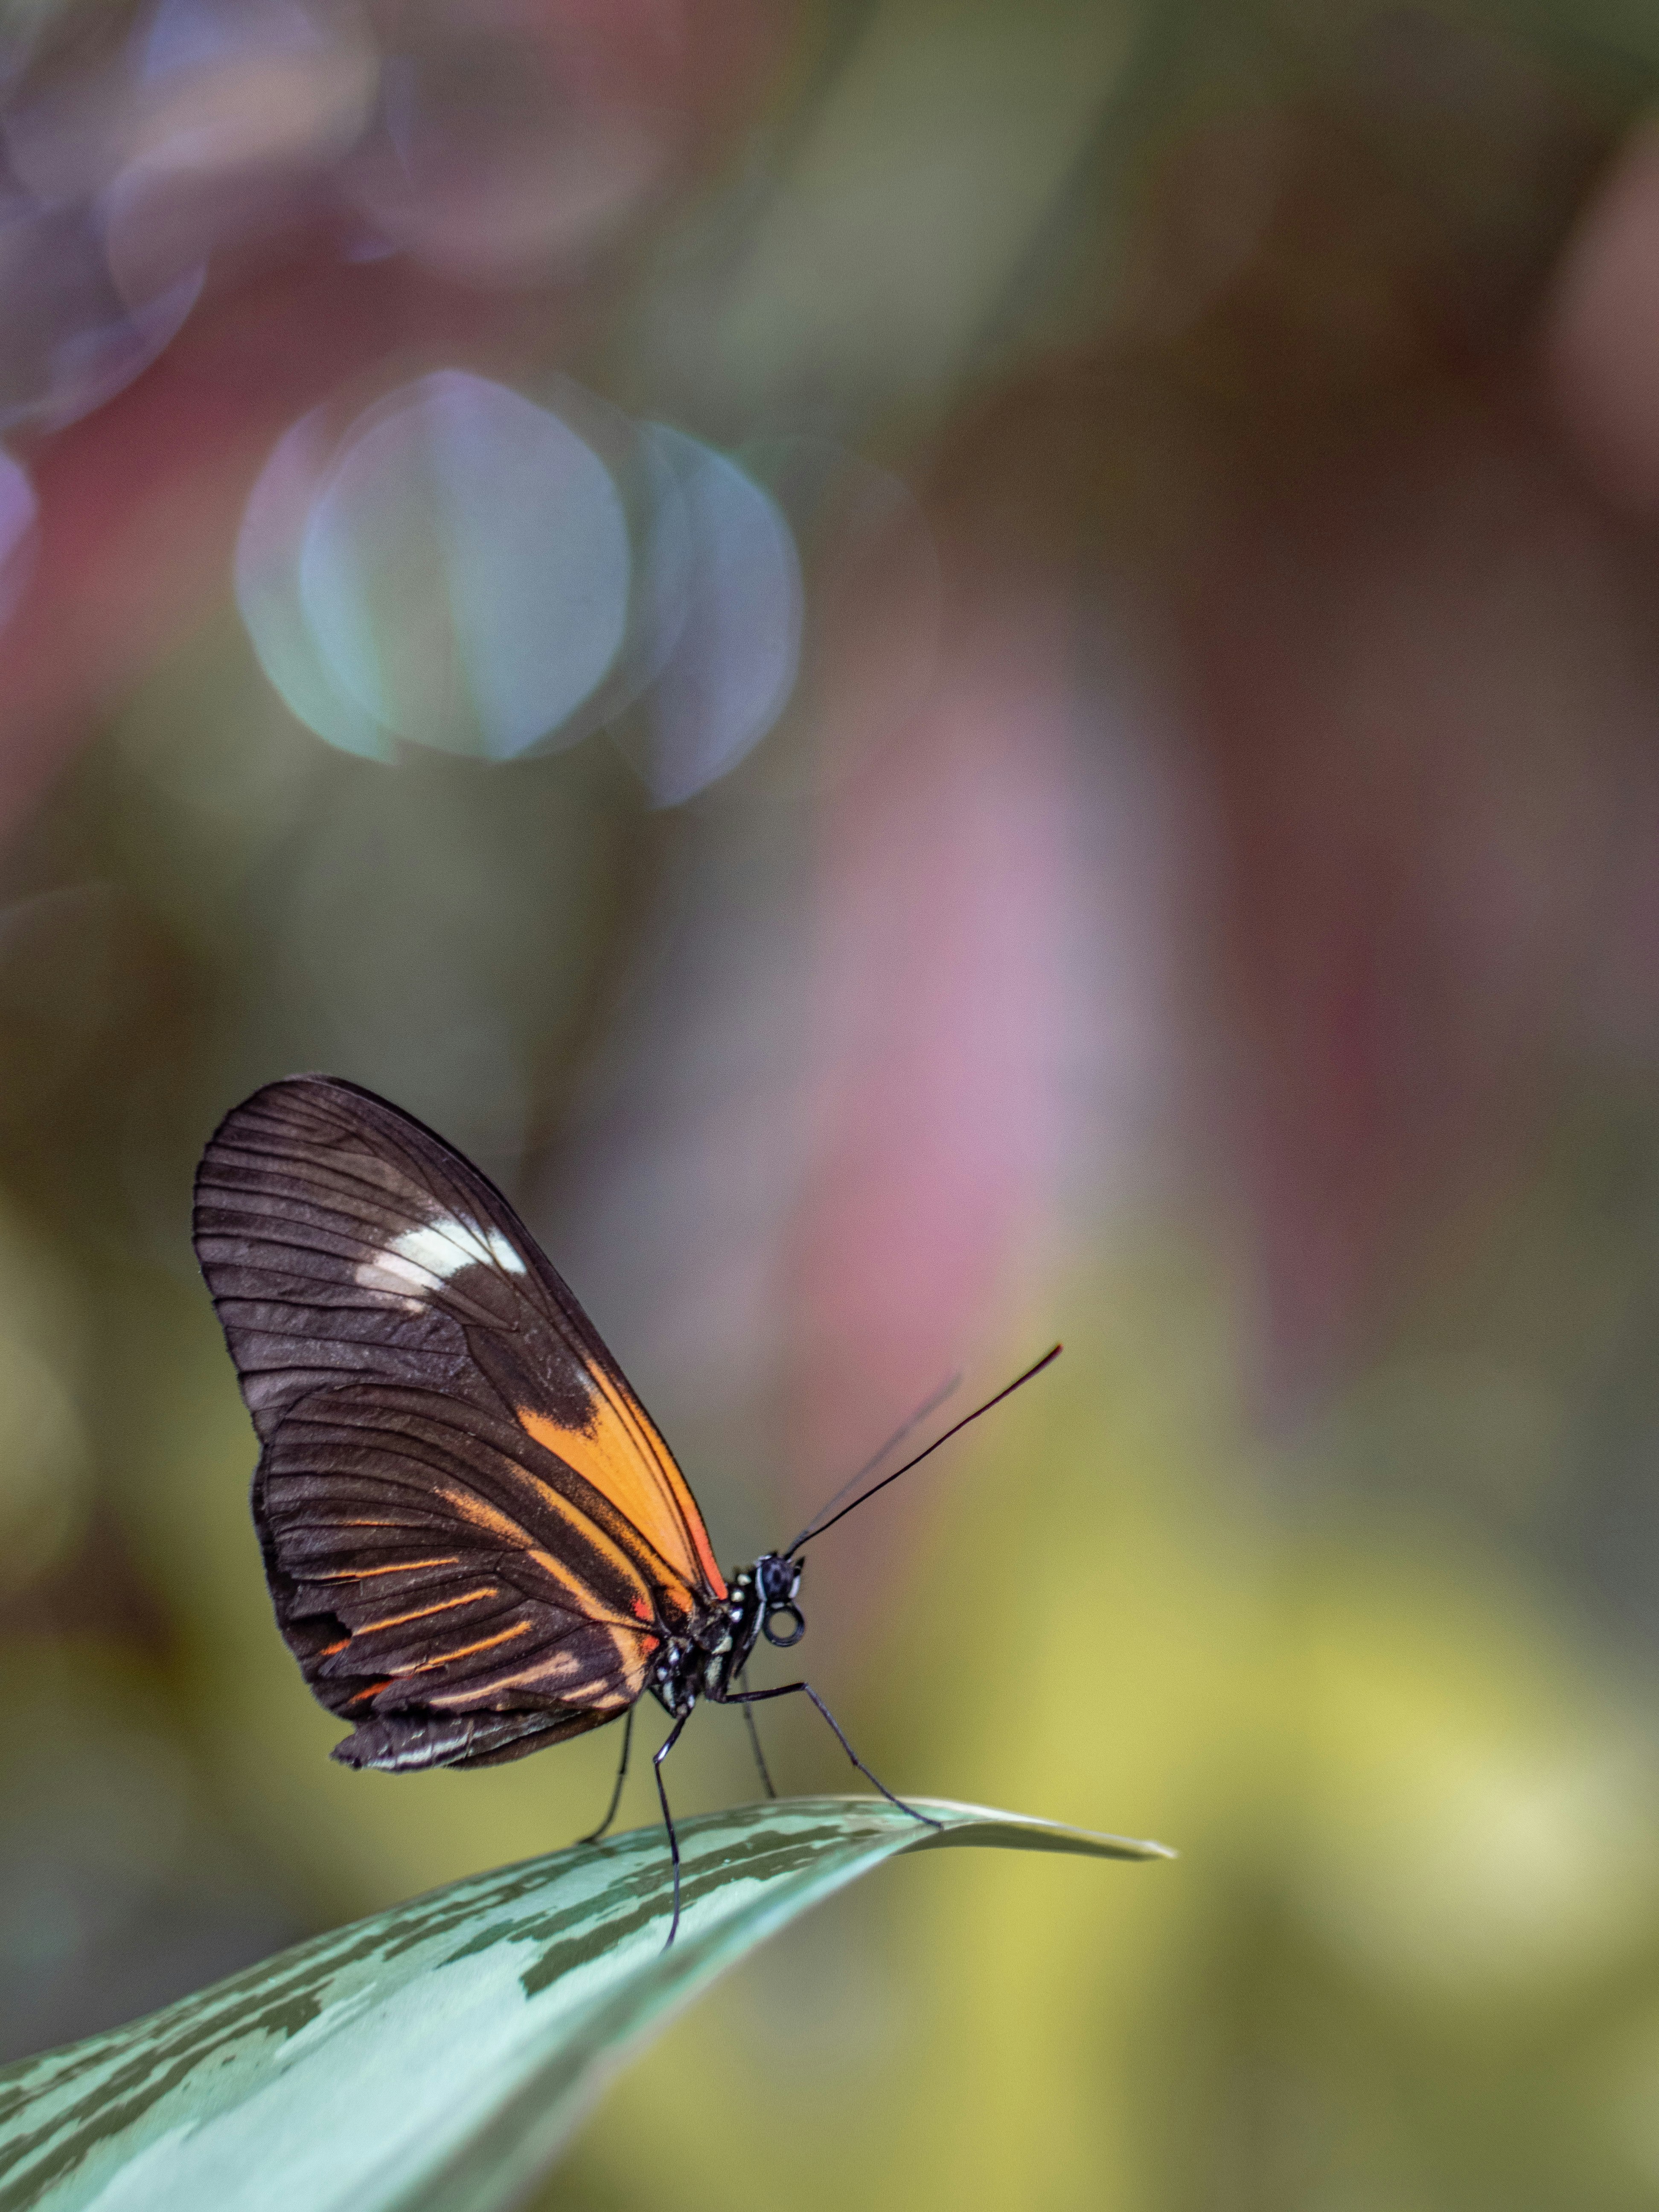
928,1405
955,1429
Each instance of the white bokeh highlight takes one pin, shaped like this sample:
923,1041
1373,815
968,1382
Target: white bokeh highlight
455,572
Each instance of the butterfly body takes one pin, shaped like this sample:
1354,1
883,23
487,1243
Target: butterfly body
709,1662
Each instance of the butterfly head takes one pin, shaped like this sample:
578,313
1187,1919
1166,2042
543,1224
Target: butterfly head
777,1578
763,1603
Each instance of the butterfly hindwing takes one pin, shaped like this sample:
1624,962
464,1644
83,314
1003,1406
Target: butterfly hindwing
472,1531
418,1569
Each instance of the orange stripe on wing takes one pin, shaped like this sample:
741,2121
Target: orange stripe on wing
465,1650
483,1515
367,1574
420,1611
569,1680
614,1460
633,1417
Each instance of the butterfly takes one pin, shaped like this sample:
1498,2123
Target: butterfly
477,1543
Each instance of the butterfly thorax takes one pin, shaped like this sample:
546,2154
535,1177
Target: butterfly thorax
709,1660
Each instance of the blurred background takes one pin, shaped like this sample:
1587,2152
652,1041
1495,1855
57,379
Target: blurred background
941,675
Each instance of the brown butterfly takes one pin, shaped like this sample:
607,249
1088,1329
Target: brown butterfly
476,1540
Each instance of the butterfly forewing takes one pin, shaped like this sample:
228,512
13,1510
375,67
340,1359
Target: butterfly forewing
473,1534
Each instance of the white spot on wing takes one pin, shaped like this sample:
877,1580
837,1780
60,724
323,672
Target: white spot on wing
416,1263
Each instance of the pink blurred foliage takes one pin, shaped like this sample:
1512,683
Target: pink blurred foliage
940,989
1602,330
1402,640
1424,684
1414,642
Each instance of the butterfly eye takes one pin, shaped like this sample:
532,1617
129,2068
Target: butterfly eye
785,1613
777,1579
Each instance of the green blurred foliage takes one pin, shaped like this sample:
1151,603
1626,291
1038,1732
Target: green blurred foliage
1408,1956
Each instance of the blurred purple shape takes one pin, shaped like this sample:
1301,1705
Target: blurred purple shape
190,34
18,510
250,85
96,273
495,156
237,112
723,601
70,338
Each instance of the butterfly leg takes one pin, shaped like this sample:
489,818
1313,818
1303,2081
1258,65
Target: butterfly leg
753,1738
593,1835
657,1759
789,1689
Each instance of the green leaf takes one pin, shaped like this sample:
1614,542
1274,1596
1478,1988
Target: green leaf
434,2058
